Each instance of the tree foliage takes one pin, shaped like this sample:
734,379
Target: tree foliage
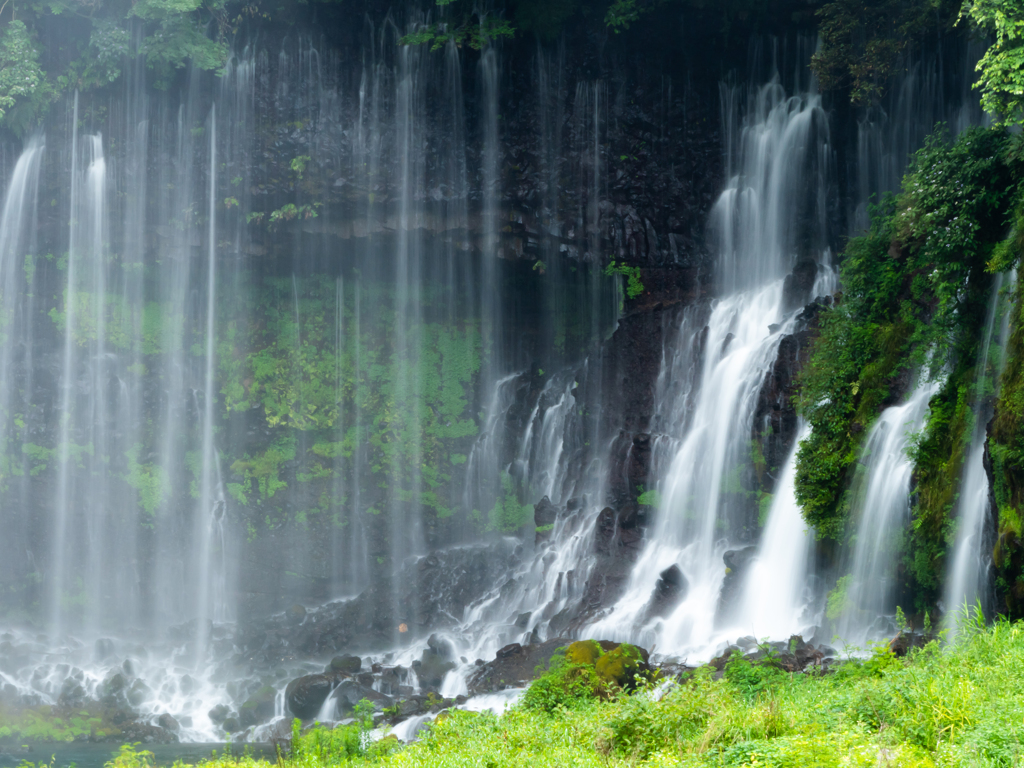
861,40
1002,66
175,33
23,86
471,31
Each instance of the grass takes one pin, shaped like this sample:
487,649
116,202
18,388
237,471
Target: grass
956,705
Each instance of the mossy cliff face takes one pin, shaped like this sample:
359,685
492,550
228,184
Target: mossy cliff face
914,299
1005,461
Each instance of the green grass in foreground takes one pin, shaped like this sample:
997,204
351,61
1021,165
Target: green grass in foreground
962,704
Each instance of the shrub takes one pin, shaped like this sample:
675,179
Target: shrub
564,686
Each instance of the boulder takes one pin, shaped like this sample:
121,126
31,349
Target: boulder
103,649
72,693
305,695
583,652
796,289
138,692
258,708
219,714
544,515
622,664
441,646
432,669
669,591
348,665
349,693
515,665
737,562
169,723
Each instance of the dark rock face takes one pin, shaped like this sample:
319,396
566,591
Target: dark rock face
796,290
514,666
169,723
434,666
775,418
737,562
441,647
669,591
792,656
305,695
438,585
219,714
544,515
903,642
146,734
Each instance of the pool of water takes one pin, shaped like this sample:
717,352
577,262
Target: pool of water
85,755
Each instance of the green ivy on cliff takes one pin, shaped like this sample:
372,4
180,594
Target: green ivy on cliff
1006,437
329,382
915,289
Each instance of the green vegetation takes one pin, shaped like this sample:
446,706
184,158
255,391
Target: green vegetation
634,286
1006,447
508,515
329,383
915,294
22,91
49,723
1002,66
175,33
861,40
650,498
461,23
472,31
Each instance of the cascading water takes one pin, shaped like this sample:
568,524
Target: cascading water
881,507
933,89
965,580
770,216
775,600
17,239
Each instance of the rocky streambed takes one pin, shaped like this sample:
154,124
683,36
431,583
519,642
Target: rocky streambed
117,691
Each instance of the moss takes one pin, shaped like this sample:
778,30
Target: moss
263,472
583,652
621,666
508,514
149,481
1006,447
45,723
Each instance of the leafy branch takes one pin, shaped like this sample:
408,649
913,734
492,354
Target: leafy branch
1002,66
470,34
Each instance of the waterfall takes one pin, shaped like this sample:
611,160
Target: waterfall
933,89
881,508
773,211
210,510
965,579
696,508
86,533
770,216
18,222
774,600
